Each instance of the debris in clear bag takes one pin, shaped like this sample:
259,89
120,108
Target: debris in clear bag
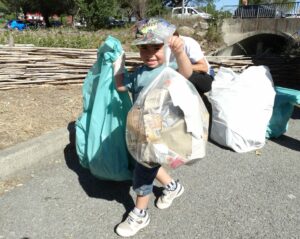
155,99
158,131
153,126
178,139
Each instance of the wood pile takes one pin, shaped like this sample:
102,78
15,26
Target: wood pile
29,66
33,66
285,70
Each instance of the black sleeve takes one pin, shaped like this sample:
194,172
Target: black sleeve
201,81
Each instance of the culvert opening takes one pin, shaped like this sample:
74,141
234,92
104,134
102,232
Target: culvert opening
280,53
258,45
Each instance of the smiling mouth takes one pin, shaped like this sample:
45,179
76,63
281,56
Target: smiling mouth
151,61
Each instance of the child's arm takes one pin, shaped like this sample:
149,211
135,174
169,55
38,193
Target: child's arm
119,83
119,69
184,64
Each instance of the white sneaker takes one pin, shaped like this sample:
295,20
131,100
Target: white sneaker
166,199
132,224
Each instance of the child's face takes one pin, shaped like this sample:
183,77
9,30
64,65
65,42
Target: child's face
152,55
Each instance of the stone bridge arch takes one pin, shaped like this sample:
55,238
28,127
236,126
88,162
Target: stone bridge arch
258,36
271,33
258,43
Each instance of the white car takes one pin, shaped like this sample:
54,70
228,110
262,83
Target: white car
189,12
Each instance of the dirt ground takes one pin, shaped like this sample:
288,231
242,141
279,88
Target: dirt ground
31,112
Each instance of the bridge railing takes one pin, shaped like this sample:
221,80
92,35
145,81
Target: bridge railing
272,10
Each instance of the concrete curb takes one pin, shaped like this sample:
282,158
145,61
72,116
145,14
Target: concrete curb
24,155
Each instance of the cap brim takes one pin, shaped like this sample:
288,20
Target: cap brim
147,42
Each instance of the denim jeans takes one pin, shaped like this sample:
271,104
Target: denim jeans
143,179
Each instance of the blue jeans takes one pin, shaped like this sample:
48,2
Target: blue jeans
143,179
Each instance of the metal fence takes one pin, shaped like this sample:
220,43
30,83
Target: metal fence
273,10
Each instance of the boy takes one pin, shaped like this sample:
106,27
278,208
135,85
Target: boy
152,55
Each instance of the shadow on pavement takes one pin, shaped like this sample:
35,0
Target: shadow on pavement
94,187
296,113
287,141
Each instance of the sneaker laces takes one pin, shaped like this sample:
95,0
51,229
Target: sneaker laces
167,192
134,219
130,219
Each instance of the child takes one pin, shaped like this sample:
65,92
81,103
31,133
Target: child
152,55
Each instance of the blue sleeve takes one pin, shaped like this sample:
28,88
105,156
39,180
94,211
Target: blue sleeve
173,64
128,80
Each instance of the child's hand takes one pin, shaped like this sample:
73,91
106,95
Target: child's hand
176,44
119,65
119,69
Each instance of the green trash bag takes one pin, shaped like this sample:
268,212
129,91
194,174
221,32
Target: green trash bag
285,100
100,130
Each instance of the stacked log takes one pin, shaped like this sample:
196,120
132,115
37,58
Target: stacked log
285,70
34,66
29,66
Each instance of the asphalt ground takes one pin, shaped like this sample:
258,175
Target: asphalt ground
227,195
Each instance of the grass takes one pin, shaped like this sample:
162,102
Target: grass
66,37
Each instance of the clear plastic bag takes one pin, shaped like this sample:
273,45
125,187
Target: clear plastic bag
168,123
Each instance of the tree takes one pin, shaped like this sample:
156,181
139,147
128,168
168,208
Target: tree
50,7
172,3
96,12
127,9
46,7
146,8
178,3
267,1
135,8
155,7
15,6
3,7
141,8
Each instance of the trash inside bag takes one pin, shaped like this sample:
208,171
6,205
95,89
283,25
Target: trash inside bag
168,123
100,130
285,100
242,106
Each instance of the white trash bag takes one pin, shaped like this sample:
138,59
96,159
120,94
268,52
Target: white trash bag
168,123
242,105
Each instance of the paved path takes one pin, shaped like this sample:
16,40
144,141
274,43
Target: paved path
228,195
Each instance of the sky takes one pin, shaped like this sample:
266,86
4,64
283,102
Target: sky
220,3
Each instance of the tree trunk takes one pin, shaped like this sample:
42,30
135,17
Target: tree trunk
46,19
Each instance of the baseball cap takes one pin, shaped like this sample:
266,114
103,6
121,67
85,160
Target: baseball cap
153,31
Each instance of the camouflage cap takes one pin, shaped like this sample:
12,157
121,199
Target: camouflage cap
153,31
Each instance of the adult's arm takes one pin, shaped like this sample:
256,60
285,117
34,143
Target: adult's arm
184,64
200,66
